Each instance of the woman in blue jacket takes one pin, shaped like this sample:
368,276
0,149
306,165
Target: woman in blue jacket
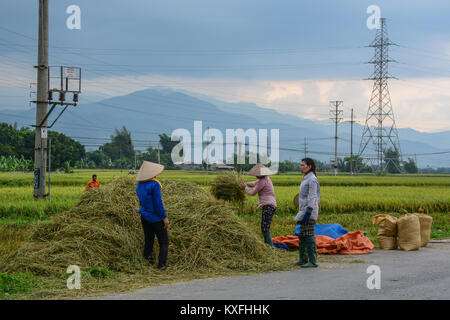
153,215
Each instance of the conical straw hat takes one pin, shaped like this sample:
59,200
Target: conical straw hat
260,170
149,170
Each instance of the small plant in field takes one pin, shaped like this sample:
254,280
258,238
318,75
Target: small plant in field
100,272
11,163
16,283
67,168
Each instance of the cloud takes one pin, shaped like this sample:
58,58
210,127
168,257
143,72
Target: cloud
418,103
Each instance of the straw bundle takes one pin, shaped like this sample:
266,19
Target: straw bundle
226,187
104,230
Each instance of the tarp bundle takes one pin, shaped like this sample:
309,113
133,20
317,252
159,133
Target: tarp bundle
350,243
387,231
333,230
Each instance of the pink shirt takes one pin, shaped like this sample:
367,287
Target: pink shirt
264,188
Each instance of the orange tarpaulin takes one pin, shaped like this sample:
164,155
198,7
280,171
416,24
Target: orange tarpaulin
350,243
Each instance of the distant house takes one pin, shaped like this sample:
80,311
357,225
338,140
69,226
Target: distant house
222,167
189,166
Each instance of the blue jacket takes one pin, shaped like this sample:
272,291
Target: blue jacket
152,207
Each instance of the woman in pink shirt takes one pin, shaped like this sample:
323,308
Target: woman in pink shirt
264,188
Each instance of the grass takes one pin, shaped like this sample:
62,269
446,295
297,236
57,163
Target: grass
16,283
82,177
17,202
364,199
12,235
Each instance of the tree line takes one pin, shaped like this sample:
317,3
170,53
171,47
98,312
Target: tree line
17,153
17,146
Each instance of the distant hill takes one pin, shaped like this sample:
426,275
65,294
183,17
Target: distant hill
160,110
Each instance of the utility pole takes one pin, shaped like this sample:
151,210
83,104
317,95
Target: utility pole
351,143
207,150
49,165
336,114
305,147
120,151
417,165
159,154
40,141
239,157
68,81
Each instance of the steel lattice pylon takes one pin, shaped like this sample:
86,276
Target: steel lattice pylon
380,128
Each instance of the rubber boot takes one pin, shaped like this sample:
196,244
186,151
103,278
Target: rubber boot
303,258
268,238
311,251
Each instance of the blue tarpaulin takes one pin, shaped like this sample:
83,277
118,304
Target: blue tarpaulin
281,246
333,230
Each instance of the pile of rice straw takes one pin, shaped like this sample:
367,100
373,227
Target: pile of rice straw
226,187
104,230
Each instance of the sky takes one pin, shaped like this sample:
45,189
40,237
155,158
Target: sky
289,55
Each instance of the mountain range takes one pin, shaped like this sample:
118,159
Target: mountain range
150,112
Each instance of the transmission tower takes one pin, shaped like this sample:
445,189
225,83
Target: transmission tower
336,114
380,128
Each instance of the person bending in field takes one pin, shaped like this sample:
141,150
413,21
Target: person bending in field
93,184
308,200
153,215
264,188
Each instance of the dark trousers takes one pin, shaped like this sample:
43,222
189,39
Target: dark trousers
266,217
150,230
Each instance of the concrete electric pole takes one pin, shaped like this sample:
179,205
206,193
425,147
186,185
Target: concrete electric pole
305,147
40,142
62,79
351,143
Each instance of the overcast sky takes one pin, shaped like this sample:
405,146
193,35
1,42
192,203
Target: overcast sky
282,54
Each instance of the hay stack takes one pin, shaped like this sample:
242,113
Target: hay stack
226,187
104,230
100,231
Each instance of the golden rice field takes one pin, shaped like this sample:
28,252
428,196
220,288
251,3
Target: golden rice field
346,199
341,194
81,177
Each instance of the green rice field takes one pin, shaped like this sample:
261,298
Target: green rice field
341,194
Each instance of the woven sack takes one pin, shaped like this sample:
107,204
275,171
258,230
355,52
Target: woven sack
408,227
387,231
425,228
